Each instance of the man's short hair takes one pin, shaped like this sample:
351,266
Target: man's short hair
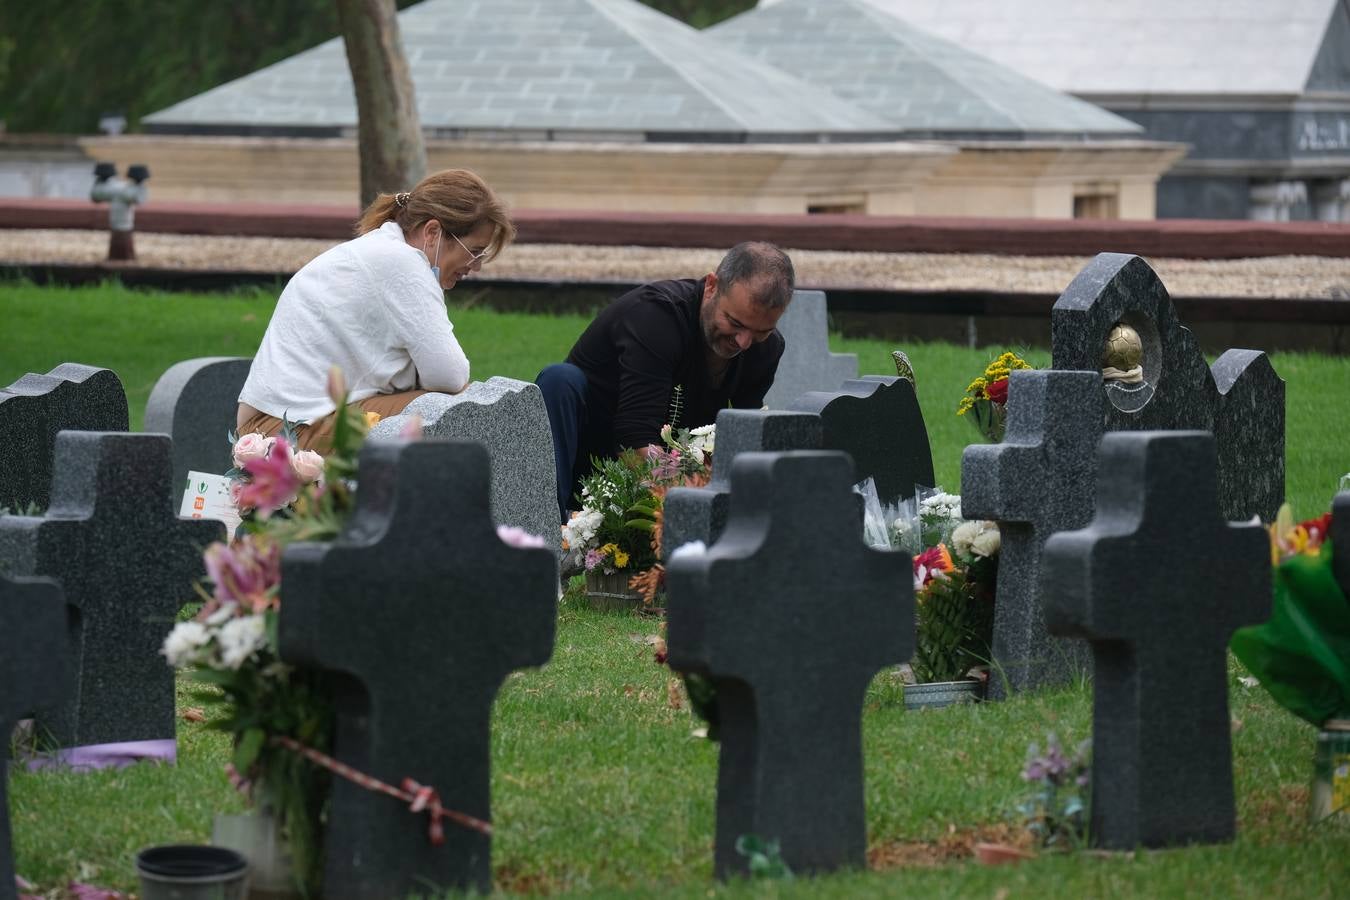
764,268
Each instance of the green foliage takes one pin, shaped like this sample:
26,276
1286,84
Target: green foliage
60,73
701,13
954,624
765,857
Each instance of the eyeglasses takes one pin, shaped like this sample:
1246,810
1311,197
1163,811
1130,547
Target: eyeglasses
473,257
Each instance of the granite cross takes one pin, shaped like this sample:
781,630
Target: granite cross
790,615
807,363
34,672
421,611
877,421
1039,480
1240,398
35,408
194,402
126,562
1157,583
699,514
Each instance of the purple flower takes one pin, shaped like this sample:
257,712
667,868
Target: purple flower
519,537
593,559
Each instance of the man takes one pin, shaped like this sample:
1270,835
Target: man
669,352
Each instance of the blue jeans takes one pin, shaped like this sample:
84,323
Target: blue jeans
572,422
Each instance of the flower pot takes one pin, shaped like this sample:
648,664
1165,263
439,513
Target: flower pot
188,872
611,591
1331,772
255,835
934,694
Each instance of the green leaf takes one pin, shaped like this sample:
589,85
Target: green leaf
246,751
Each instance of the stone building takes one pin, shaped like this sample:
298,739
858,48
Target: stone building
607,104
1259,89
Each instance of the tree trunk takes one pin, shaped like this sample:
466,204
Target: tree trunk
389,132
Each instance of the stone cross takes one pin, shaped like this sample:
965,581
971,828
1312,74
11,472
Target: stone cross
1039,480
1340,540
36,407
509,419
807,363
126,562
1162,769
790,615
422,611
34,672
1239,399
699,514
877,421
195,402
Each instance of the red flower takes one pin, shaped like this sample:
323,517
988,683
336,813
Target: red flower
997,391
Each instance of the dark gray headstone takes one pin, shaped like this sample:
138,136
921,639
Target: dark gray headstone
509,419
1039,480
877,421
455,611
791,628
126,562
196,403
36,407
698,514
1340,540
34,672
807,363
1240,399
1162,768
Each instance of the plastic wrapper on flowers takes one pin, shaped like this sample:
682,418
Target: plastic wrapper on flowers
1302,654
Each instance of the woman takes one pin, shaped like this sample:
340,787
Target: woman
375,308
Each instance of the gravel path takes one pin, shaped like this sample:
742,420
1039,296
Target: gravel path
1277,276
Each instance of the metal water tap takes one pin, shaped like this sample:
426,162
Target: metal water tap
122,195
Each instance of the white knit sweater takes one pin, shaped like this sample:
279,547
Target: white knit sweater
369,306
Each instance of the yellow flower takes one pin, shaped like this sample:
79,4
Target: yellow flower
372,418
620,559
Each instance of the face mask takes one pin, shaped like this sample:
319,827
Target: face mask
435,264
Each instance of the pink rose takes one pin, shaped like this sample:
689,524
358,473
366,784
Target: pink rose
250,447
308,465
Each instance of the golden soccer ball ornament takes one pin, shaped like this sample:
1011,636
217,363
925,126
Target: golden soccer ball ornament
1124,350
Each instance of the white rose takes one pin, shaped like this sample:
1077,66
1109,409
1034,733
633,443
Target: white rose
250,447
240,638
988,541
181,646
308,465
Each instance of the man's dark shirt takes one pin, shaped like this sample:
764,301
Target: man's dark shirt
644,344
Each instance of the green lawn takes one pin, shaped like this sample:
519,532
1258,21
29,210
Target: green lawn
599,785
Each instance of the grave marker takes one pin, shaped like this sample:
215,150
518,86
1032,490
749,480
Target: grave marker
509,419
1162,769
423,611
34,672
196,402
1039,480
790,615
126,564
35,408
807,363
877,421
1240,399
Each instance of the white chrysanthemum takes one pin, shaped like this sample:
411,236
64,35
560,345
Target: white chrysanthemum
988,541
181,646
580,530
962,537
240,638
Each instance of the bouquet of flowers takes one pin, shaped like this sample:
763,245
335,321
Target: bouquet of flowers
1302,654
986,397
230,647
618,528
955,572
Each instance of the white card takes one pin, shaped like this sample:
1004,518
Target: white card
207,496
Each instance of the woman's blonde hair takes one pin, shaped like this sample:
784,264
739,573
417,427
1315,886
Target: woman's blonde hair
457,198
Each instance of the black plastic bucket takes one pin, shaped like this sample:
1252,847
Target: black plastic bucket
192,872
